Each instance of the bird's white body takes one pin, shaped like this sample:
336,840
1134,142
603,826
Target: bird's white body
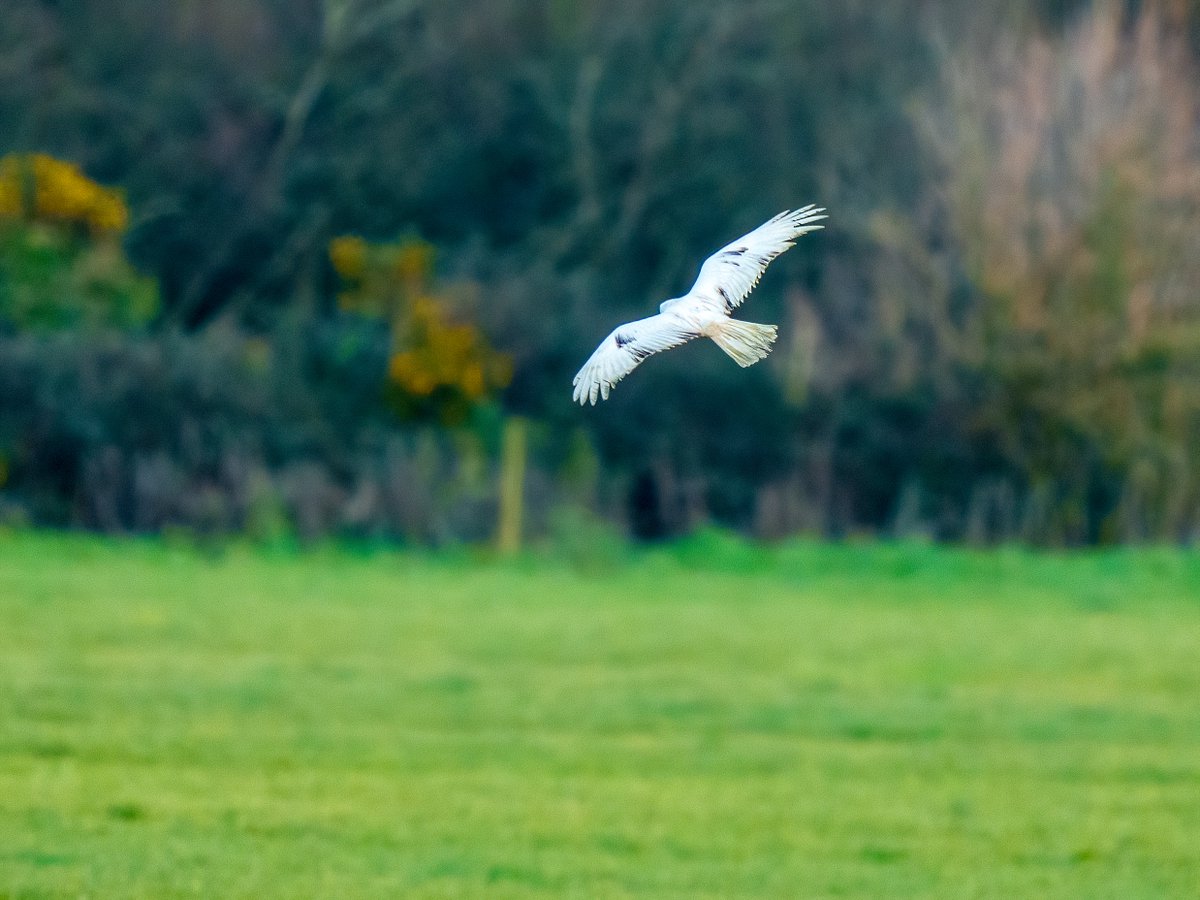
725,279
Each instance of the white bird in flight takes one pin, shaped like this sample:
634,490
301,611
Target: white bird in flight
725,280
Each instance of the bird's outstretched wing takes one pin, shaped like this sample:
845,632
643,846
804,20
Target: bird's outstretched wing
623,350
732,272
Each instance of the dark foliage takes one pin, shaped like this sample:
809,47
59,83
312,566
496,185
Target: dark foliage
996,337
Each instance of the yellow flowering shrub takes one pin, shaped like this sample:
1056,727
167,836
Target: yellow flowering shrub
439,367
61,260
348,255
11,192
38,187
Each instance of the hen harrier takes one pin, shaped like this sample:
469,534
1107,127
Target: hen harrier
725,279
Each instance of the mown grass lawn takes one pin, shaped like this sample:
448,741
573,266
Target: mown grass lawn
705,721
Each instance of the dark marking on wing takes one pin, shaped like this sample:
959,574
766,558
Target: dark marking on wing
625,342
725,297
736,251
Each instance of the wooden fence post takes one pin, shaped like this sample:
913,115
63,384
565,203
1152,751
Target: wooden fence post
512,484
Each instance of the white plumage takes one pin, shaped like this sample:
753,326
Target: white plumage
725,279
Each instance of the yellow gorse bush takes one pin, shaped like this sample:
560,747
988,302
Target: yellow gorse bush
441,354
438,365
61,260
348,254
40,187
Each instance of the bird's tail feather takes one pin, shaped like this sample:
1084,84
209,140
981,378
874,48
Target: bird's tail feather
746,342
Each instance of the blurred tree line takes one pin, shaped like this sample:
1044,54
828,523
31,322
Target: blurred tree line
323,249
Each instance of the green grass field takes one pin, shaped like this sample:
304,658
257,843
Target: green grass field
705,721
